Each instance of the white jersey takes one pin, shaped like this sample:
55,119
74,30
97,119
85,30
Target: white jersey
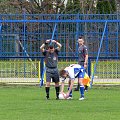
73,70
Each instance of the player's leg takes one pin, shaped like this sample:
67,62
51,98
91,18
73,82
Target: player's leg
55,78
70,95
57,88
86,88
47,87
78,85
81,89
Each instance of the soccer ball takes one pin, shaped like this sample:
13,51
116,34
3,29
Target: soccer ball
62,96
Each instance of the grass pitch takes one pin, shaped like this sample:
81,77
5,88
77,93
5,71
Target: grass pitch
29,103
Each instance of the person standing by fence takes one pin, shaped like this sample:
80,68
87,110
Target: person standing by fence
82,57
51,61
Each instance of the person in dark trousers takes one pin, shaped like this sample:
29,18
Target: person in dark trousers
82,58
51,61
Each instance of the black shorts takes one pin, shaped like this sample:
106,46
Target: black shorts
81,63
52,77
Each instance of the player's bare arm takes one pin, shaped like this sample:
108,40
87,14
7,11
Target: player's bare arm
71,85
58,44
62,87
43,45
86,61
70,88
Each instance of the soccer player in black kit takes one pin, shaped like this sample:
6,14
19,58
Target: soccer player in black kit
51,62
82,58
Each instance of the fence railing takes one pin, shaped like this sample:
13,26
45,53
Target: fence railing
21,35
25,71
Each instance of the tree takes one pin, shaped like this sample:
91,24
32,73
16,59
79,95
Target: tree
38,6
58,6
106,6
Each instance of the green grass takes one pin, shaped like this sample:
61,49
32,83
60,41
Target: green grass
28,103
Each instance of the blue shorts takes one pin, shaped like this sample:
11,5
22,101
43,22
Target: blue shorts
81,74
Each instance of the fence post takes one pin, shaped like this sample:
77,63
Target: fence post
0,39
89,67
107,42
77,34
42,72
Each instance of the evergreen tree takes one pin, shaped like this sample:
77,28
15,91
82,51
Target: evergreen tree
57,6
106,6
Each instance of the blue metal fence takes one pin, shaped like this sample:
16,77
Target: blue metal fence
21,35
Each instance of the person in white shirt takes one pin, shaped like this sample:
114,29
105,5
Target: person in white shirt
73,71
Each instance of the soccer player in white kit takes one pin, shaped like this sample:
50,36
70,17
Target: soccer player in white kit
73,71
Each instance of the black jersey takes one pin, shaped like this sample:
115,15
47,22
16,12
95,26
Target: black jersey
51,59
82,52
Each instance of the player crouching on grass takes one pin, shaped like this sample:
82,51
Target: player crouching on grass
51,61
73,71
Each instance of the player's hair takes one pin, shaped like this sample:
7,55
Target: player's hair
50,46
81,37
62,72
